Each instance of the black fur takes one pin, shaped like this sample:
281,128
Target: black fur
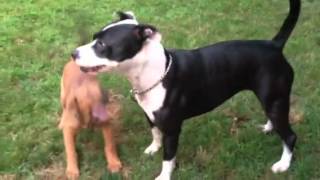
110,43
121,42
195,86
281,38
201,79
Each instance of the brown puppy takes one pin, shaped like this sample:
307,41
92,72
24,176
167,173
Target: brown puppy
84,105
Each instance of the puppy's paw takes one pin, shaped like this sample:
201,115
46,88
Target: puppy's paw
72,173
114,167
280,166
153,148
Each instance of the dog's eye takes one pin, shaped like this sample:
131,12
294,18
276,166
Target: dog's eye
101,44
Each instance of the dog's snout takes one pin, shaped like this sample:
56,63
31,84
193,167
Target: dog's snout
75,54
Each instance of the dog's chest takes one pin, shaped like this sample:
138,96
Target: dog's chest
152,101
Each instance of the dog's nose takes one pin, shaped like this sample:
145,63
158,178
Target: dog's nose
75,54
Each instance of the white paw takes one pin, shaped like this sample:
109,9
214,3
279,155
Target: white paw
162,177
266,128
153,148
280,166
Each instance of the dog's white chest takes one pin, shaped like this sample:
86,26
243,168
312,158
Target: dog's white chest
152,101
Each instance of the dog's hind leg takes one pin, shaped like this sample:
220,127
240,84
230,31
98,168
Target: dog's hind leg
279,115
274,94
277,109
266,128
156,139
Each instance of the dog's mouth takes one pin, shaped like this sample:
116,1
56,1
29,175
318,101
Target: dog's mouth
92,69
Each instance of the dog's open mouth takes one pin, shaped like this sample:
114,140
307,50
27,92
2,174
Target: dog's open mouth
92,69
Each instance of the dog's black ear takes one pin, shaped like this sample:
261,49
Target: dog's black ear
125,15
144,31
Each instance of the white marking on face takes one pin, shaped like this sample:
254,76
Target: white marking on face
167,169
88,58
284,163
267,127
131,14
156,142
126,21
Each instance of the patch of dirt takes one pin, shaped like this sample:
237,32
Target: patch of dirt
237,120
126,172
8,177
296,115
54,171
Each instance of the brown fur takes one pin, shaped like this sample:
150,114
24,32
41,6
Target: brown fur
80,95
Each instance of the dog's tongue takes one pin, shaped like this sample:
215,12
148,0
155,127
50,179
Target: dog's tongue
99,113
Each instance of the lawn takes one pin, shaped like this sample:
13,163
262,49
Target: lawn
37,36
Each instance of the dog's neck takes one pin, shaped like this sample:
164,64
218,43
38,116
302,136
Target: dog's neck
146,67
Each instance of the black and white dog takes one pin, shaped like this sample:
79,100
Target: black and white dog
174,85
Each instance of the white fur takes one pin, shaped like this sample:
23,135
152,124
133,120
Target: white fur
167,169
126,21
156,142
88,58
131,14
284,163
267,127
152,100
143,70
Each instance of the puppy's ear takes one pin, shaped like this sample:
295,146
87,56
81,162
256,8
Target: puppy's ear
126,15
143,31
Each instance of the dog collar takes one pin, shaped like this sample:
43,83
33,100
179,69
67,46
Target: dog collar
137,92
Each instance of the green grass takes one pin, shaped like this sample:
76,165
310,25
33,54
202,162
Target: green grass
37,36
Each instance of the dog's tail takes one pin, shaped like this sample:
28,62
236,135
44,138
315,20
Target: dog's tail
287,27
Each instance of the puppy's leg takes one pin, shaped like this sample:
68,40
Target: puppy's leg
110,150
170,142
278,111
69,135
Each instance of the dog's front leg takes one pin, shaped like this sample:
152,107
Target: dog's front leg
156,138
156,141
170,142
69,138
110,150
